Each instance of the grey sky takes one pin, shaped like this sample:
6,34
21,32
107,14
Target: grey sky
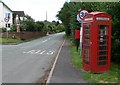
37,8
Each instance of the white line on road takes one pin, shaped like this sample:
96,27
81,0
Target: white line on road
38,51
53,67
42,52
44,41
50,52
31,51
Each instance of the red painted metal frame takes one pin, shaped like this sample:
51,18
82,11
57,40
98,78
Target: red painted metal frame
94,33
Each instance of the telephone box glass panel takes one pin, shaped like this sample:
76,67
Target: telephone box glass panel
103,44
86,46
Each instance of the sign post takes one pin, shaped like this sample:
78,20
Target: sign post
80,17
7,20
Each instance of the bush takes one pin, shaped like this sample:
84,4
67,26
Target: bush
13,29
3,29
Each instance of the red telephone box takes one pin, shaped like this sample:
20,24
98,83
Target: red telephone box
77,34
96,42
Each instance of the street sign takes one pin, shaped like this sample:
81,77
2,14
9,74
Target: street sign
80,17
82,13
6,19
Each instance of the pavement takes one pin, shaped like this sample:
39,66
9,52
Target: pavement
64,72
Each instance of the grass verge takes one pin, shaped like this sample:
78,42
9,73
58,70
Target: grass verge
108,77
10,40
75,57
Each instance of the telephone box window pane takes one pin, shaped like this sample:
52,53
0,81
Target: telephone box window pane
87,31
102,48
87,42
103,29
87,47
87,37
103,43
87,27
102,53
103,58
102,63
104,37
86,56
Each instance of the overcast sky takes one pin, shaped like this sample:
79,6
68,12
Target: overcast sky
37,8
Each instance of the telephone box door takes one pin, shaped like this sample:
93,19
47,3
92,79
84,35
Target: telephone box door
103,43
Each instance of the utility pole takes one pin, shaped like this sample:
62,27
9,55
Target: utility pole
46,15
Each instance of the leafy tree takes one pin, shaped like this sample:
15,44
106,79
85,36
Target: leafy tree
64,16
28,24
68,13
60,28
39,26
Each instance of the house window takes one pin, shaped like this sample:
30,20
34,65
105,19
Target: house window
7,15
7,25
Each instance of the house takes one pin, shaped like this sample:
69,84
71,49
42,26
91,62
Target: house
6,16
20,15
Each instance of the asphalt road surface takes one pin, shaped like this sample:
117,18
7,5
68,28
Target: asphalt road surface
28,62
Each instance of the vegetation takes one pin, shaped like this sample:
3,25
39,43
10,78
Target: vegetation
10,40
29,24
75,57
107,77
68,13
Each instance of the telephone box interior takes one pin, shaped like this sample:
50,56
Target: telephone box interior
96,42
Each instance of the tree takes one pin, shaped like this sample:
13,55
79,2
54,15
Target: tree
60,28
68,13
64,16
28,24
39,26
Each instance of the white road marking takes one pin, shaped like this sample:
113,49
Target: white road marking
42,52
38,51
50,52
44,41
31,51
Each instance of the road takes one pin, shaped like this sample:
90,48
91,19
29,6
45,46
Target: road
28,62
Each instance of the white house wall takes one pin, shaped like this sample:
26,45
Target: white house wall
1,15
5,10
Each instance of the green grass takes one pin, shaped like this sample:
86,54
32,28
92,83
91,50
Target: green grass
75,57
10,40
66,37
107,77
